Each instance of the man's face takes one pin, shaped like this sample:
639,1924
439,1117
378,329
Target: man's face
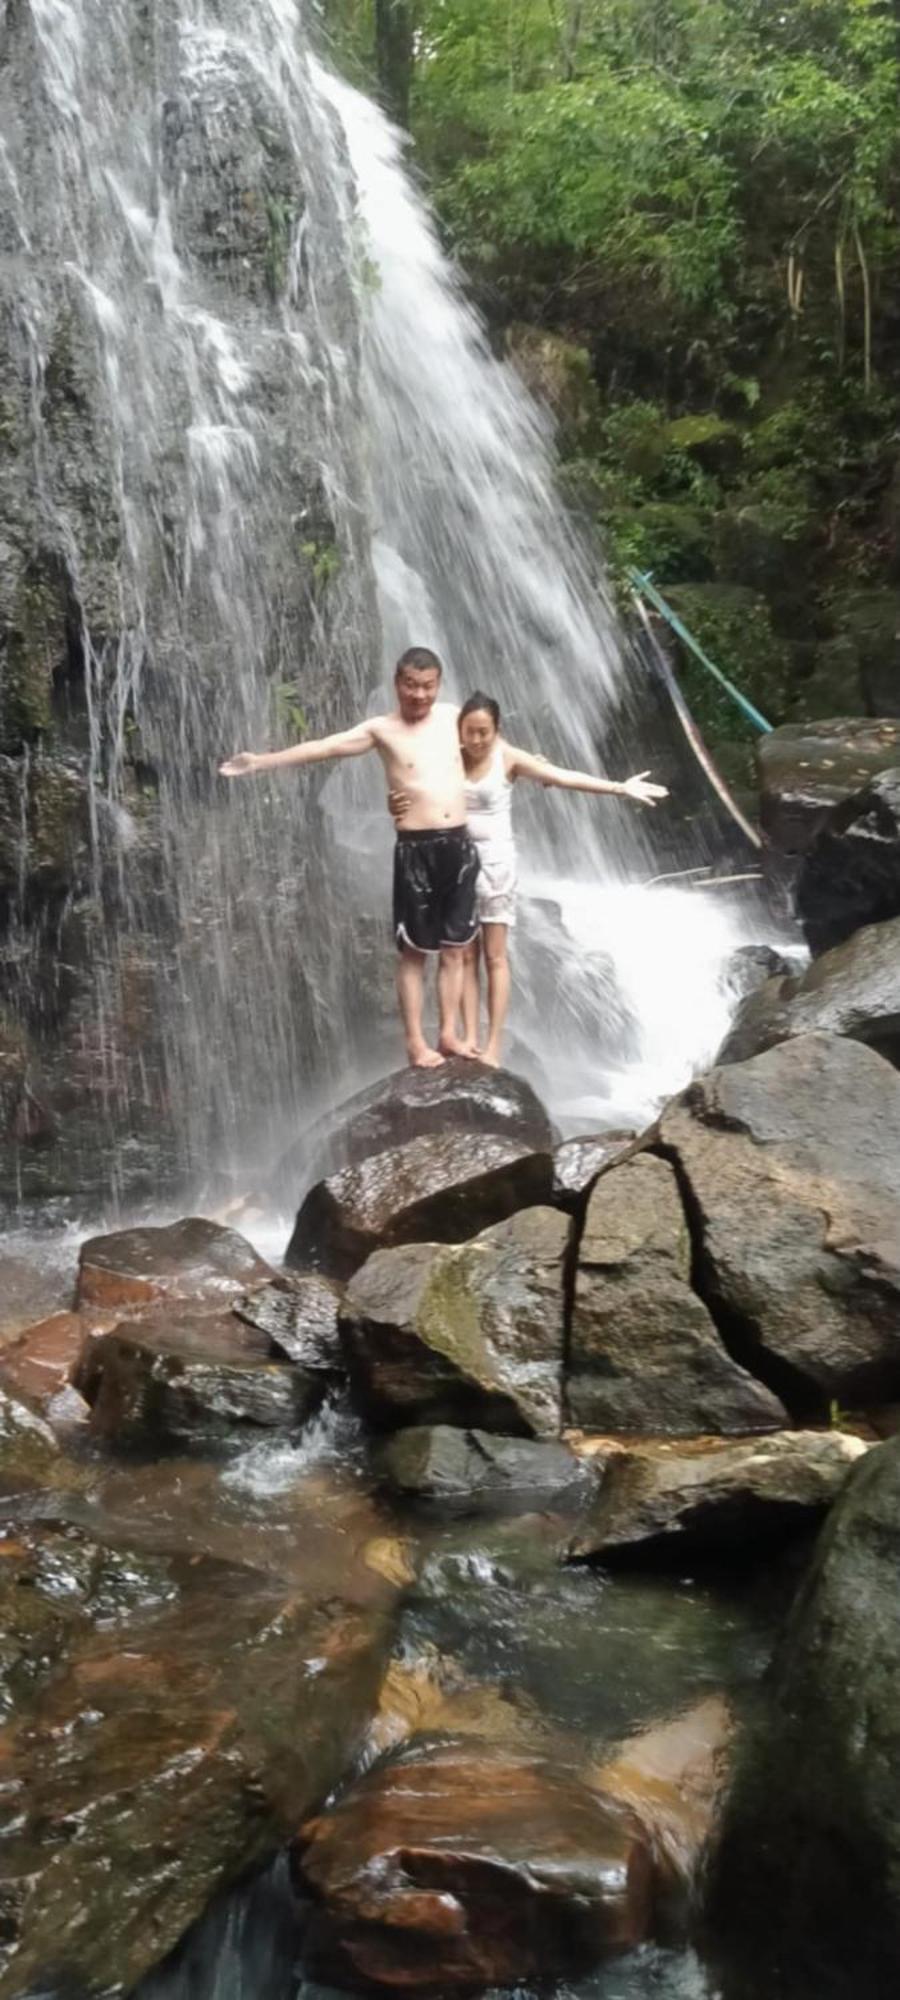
417,692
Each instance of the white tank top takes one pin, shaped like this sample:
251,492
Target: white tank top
489,805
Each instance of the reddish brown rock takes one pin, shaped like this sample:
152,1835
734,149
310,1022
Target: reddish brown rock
46,1358
185,1260
457,1867
673,1777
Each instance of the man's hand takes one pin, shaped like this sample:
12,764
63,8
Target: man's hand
240,765
398,806
643,793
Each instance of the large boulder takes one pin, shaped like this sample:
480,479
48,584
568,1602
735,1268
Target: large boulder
470,1471
853,990
791,1166
644,1351
186,1374
441,1188
450,1868
808,1875
808,768
850,876
578,1163
193,1259
710,1498
299,1315
410,1104
466,1334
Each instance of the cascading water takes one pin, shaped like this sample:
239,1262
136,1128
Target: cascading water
475,554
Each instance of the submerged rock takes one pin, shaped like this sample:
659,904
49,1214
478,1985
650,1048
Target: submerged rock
853,990
851,873
441,1188
193,1259
711,1498
644,1352
673,1777
791,1164
412,1104
471,1471
182,1374
452,1867
808,1876
467,1334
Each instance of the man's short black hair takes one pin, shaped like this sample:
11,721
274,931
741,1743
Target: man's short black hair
420,660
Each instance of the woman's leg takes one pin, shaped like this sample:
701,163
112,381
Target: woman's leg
494,939
471,1000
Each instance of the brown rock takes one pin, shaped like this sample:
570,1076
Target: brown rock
470,1334
185,1260
673,1777
792,1162
644,1352
46,1358
440,1188
709,1497
456,1867
185,1372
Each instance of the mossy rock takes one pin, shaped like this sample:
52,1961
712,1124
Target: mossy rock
715,443
33,611
45,828
869,622
764,546
733,625
832,685
558,374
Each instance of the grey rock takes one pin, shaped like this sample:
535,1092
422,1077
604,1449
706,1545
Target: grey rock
471,1471
578,1162
300,1318
709,1498
470,1334
644,1352
186,1374
850,876
852,990
792,1166
808,768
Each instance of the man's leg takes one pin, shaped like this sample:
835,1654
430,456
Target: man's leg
411,995
450,995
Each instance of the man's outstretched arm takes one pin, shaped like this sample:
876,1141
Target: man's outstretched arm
347,743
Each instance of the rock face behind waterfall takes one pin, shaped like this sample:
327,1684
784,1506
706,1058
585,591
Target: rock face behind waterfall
175,373
809,1867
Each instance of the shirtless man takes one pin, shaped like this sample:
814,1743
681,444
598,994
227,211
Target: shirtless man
435,861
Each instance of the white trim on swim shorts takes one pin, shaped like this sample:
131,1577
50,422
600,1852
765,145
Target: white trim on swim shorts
401,936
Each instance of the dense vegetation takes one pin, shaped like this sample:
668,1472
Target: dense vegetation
681,217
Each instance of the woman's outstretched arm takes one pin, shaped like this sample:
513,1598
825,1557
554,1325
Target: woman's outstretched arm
521,764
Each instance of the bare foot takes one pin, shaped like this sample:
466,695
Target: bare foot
491,1056
422,1057
450,1045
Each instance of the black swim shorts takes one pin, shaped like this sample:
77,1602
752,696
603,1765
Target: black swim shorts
434,889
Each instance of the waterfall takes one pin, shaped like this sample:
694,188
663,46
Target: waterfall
259,442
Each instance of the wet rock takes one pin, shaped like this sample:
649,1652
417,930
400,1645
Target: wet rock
300,1317
170,1712
440,1188
850,875
470,1334
29,1290
673,1777
188,1375
29,1453
710,1498
451,1868
791,1165
185,1260
644,1352
806,769
750,967
45,1359
45,830
411,1104
808,1874
852,990
577,1163
469,1471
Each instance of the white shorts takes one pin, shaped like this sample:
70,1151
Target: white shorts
495,885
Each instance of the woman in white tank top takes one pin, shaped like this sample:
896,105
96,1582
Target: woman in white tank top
492,768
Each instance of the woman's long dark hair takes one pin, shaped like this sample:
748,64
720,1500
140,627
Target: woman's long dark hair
477,701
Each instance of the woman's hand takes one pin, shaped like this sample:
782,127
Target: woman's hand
239,765
398,806
643,793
